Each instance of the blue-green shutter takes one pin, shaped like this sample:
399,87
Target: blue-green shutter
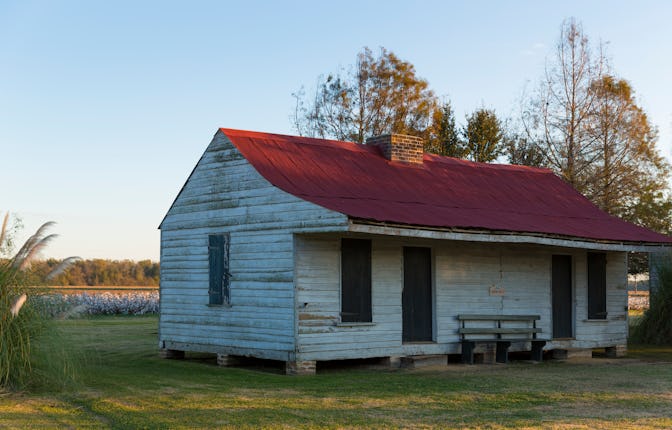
218,256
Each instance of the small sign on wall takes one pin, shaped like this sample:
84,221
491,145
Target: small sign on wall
496,291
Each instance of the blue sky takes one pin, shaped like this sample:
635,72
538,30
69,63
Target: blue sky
105,107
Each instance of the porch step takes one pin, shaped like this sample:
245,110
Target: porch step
418,361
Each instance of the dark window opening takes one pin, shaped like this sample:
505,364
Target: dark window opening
597,285
416,295
356,280
218,257
562,298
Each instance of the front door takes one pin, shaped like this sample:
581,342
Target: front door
416,300
561,287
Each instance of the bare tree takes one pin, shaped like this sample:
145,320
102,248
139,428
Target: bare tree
558,115
587,125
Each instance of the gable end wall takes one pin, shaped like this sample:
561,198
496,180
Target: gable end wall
226,194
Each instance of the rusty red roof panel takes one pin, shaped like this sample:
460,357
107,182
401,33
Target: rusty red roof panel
444,192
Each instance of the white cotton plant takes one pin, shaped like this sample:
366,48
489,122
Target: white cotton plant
73,305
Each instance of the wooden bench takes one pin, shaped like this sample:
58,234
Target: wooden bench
494,333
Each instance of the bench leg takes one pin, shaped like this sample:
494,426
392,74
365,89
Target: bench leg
502,355
468,352
538,350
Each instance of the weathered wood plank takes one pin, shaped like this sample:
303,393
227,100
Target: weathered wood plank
228,316
189,337
186,308
265,352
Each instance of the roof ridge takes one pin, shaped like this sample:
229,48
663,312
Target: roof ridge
353,146
503,166
284,137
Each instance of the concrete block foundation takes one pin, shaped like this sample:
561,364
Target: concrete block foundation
306,367
173,354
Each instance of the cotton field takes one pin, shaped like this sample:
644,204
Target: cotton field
105,303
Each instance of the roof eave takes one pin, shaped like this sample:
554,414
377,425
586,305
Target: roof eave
425,232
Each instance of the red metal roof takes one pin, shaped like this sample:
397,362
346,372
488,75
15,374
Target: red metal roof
358,181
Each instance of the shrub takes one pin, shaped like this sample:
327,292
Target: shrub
655,326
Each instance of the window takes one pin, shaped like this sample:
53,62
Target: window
597,285
355,280
218,257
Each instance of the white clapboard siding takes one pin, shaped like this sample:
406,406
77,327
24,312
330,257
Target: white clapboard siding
225,194
463,274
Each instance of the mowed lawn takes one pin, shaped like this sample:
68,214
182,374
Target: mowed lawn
124,384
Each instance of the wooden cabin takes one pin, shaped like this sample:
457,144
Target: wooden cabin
306,250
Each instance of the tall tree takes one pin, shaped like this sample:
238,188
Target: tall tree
628,170
483,135
380,94
590,130
558,114
519,150
445,137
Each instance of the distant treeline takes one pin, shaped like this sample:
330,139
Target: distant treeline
96,272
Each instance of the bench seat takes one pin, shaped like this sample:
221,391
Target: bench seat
483,317
494,335
509,330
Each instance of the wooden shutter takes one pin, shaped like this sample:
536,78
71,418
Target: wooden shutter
218,256
416,296
561,296
355,280
597,285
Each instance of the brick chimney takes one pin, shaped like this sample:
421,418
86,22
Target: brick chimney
399,147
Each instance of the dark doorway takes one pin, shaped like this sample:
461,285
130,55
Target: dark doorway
416,298
561,288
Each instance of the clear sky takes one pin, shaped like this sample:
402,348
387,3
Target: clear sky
105,107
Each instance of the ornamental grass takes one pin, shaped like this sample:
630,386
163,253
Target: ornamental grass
22,322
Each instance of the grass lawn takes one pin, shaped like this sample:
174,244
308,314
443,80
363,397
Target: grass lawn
123,384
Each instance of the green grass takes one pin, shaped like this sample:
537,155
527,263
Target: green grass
123,384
